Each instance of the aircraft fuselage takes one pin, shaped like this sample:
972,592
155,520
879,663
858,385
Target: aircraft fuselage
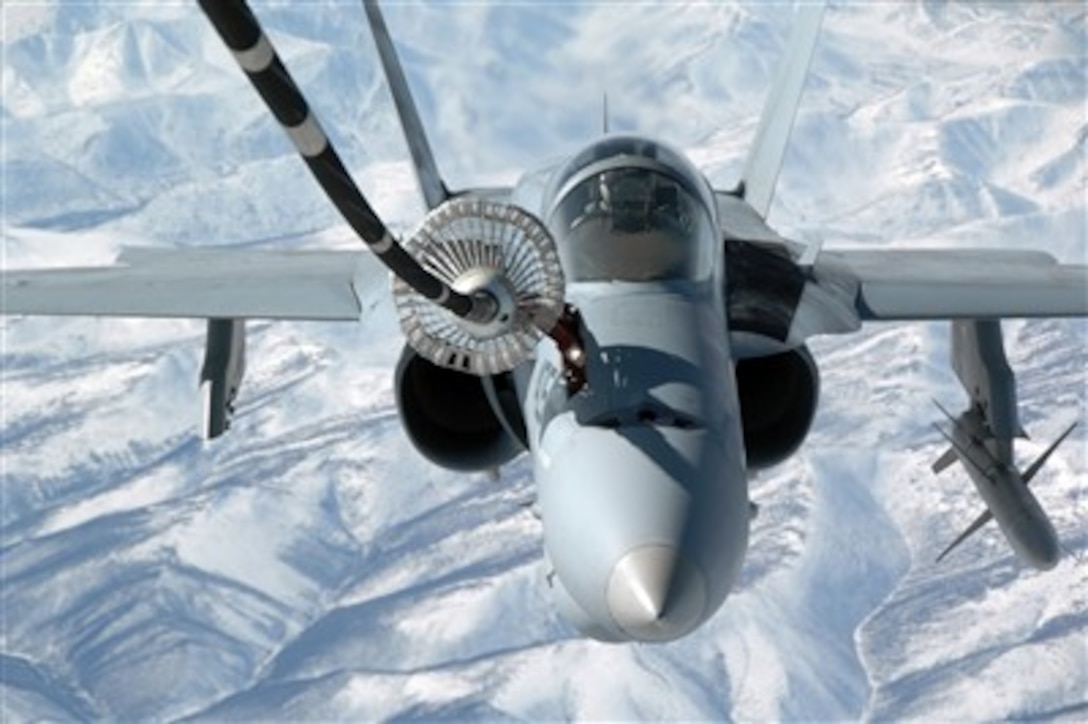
641,473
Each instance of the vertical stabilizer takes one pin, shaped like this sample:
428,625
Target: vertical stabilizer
780,109
430,183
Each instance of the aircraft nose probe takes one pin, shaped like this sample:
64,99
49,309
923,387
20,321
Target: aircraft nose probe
475,287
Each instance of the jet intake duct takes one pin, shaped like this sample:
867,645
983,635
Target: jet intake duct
450,416
778,396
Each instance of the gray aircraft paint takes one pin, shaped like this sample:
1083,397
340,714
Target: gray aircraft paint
641,476
982,440
642,473
651,454
1008,499
222,372
978,358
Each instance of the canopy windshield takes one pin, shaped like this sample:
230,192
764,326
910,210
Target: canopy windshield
633,223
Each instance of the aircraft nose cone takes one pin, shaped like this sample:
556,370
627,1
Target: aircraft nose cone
656,595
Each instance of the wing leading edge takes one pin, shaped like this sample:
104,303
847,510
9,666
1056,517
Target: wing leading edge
921,284
204,283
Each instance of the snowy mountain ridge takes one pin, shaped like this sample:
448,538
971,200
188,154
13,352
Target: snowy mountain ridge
312,566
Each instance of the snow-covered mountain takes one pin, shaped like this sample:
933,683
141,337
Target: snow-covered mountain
311,565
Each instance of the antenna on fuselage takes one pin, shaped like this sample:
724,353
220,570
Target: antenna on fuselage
604,113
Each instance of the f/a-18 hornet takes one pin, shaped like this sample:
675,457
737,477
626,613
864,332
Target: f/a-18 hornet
638,333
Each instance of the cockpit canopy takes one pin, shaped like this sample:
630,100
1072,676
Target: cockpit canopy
630,209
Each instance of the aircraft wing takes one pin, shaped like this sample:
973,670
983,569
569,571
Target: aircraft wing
955,283
201,283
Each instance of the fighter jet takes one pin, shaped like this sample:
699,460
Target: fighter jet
641,335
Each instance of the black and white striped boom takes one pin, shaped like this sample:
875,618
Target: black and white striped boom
241,32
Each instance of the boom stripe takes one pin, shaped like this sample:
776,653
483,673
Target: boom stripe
257,58
309,139
241,32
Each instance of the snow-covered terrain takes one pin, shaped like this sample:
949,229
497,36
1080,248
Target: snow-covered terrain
311,565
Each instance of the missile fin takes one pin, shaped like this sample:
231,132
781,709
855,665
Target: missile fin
975,525
1041,460
946,459
967,459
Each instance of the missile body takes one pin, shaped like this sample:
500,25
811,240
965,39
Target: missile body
1008,498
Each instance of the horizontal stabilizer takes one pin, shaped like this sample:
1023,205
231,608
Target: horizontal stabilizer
196,283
